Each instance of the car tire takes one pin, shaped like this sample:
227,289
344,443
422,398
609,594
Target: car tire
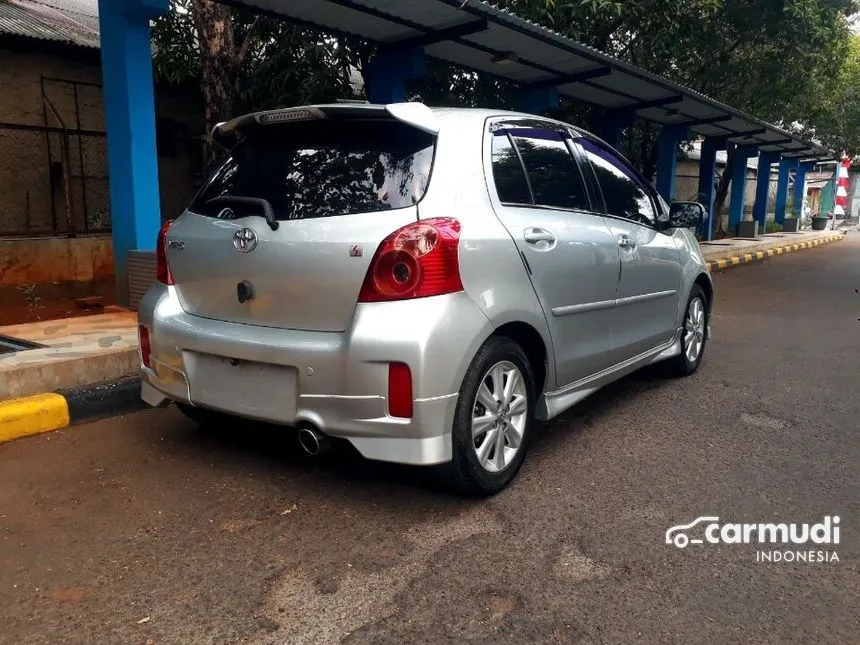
694,334
484,463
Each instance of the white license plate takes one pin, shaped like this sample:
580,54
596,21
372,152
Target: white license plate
246,388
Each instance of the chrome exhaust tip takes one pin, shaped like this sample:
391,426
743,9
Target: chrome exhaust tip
313,442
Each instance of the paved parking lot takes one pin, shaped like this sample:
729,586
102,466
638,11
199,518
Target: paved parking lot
142,529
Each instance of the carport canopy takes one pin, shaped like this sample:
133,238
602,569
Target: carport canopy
487,39
475,36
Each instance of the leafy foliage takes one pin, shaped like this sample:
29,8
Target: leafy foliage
276,63
835,114
792,62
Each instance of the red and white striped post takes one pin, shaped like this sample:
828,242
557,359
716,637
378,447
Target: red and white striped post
841,188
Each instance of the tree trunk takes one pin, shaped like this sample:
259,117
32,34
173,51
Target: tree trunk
219,63
722,191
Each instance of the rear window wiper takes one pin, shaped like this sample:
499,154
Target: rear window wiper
265,206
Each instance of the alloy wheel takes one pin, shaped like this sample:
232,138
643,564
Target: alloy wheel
499,416
694,329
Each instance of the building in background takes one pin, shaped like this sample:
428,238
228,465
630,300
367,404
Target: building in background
687,179
53,148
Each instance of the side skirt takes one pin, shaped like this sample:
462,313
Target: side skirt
551,404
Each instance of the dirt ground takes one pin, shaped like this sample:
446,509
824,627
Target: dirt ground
48,301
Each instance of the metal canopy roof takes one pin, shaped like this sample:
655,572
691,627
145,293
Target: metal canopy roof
74,22
485,38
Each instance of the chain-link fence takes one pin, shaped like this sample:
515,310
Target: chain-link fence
52,181
53,168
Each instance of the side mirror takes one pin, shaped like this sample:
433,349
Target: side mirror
686,214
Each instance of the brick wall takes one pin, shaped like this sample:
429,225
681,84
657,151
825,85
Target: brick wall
41,186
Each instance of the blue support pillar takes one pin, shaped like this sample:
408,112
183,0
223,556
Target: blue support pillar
538,100
707,177
126,53
613,124
762,187
800,187
667,158
739,184
389,71
785,166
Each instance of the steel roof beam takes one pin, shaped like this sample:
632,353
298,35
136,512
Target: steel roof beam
775,142
567,79
642,105
440,35
706,121
748,133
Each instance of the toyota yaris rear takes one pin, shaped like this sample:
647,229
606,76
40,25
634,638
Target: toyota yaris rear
344,272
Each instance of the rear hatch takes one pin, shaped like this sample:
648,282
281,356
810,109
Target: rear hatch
293,216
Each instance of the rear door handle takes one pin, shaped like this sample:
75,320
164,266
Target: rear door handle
537,235
626,242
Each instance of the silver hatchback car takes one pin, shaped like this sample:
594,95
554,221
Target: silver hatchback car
424,283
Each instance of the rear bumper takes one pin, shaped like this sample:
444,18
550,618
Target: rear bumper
341,377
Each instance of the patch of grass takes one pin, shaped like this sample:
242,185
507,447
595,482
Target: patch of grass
32,298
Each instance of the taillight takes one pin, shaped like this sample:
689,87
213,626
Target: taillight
416,261
145,348
399,390
162,269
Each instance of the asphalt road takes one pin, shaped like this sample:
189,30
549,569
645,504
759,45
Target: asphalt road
143,529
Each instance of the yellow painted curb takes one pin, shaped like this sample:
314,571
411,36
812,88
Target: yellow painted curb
32,415
747,258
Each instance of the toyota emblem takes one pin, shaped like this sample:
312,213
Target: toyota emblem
245,240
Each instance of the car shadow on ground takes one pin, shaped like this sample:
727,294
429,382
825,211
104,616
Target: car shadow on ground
275,449
592,410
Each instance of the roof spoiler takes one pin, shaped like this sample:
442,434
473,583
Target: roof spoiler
417,115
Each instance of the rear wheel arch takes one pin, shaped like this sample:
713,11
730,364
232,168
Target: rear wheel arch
531,342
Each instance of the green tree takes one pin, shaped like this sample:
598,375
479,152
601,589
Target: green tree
835,111
774,60
246,61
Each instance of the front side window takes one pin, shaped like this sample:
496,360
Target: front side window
552,171
623,191
323,168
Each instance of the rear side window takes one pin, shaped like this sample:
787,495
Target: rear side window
322,169
508,174
623,191
552,171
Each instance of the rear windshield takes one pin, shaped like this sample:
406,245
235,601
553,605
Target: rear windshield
322,169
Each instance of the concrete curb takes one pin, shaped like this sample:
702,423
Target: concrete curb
749,258
33,415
